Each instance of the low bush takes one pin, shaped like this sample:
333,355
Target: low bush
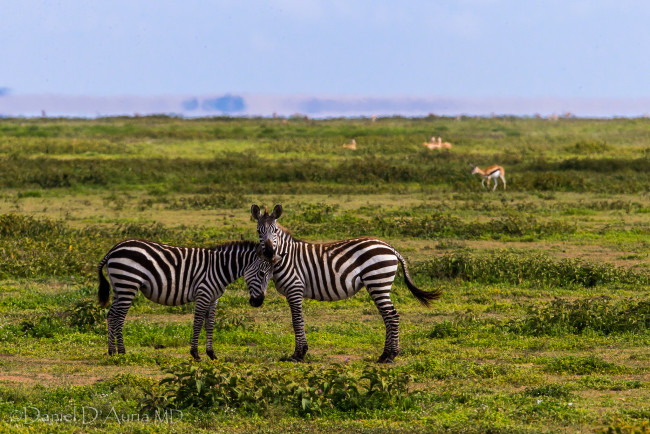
18,226
517,268
87,315
598,314
42,327
320,222
582,366
553,390
305,392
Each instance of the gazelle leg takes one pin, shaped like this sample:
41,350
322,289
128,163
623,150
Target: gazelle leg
503,178
495,184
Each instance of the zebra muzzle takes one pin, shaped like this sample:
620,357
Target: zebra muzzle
256,301
268,251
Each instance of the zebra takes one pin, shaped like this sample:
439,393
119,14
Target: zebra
332,271
174,276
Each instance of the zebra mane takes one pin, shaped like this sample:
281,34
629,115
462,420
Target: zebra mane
286,231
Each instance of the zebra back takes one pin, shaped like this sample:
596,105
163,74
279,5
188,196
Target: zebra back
172,275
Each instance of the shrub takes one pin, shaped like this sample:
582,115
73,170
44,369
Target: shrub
42,327
516,267
445,329
305,392
599,314
87,315
588,147
17,226
553,390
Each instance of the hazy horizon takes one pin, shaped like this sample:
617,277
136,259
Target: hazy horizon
315,106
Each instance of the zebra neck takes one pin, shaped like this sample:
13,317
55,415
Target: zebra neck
230,260
286,241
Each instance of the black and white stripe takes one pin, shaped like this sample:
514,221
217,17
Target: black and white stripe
173,276
334,271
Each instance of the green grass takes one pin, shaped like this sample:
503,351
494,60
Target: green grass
542,325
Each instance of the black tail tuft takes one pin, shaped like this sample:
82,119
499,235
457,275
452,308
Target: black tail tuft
423,297
104,288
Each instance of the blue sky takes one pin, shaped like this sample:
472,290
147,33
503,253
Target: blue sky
466,48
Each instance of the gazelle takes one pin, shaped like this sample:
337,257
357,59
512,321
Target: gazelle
444,144
437,143
352,144
492,172
431,145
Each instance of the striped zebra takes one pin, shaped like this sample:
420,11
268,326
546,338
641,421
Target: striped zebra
333,271
173,276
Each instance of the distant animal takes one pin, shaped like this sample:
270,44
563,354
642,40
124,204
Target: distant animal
443,144
436,143
431,145
492,172
333,271
352,144
173,276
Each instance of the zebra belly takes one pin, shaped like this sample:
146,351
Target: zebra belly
128,277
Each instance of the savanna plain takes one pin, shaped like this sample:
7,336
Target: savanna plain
544,324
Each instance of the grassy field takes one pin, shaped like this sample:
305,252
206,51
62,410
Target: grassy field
544,324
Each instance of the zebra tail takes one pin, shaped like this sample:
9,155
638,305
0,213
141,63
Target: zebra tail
423,296
104,287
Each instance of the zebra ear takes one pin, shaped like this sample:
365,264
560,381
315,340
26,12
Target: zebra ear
255,212
277,212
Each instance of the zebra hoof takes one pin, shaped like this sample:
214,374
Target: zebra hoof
293,359
195,355
386,358
211,354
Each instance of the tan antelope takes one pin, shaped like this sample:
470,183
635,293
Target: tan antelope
492,172
443,144
352,144
437,143
431,145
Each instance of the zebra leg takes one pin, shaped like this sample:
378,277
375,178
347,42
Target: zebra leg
200,311
111,332
209,328
295,304
117,315
381,297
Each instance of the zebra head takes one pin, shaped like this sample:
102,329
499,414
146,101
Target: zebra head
267,229
257,277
